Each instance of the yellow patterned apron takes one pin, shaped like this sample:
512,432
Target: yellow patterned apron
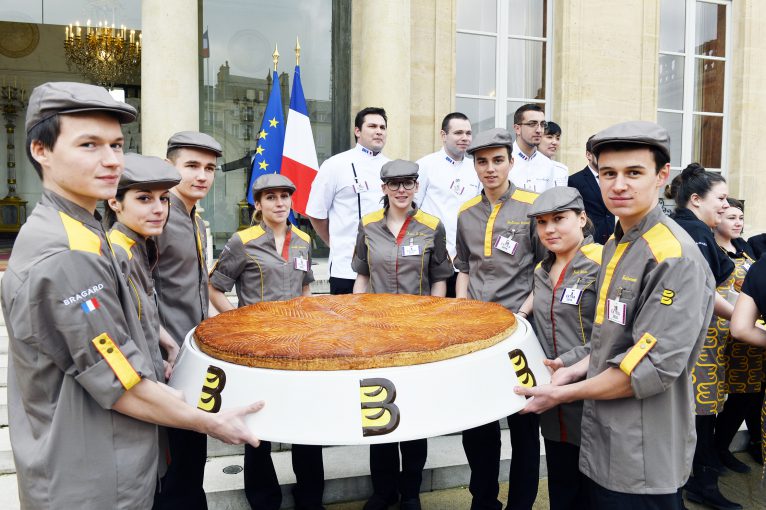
743,362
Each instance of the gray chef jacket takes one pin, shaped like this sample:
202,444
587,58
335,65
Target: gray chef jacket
645,444
381,255
496,276
250,262
76,345
561,327
137,256
180,276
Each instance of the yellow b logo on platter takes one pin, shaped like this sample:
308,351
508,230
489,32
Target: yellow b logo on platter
210,398
521,367
379,413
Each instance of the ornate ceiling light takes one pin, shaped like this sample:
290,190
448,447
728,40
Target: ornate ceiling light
104,54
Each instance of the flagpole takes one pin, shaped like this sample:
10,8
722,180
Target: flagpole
275,57
297,51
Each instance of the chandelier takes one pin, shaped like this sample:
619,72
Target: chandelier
105,55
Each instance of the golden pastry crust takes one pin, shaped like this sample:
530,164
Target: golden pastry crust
353,331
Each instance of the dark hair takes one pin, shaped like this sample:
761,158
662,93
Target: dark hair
449,117
531,107
370,110
110,217
173,153
589,144
660,159
693,180
738,204
553,129
47,133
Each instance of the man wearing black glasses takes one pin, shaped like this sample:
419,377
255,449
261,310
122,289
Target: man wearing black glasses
532,169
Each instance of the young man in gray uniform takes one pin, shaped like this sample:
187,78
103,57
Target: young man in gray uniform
497,249
655,300
181,278
83,399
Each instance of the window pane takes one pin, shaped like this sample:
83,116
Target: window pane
707,140
672,25
708,86
673,122
671,89
710,33
527,17
481,112
512,107
477,15
475,59
526,69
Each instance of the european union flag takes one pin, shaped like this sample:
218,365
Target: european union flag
271,139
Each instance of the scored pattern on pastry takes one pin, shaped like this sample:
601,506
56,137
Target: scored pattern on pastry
354,331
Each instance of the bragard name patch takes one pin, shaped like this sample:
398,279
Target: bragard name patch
83,295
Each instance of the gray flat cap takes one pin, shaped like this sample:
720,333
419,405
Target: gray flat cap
52,98
496,137
272,181
639,132
559,198
148,172
195,140
399,169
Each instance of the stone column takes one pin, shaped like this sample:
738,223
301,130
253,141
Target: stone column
747,97
604,68
381,66
169,71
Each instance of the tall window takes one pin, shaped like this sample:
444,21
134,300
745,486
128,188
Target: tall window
503,59
693,78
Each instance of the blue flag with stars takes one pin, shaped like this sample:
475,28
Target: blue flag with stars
271,139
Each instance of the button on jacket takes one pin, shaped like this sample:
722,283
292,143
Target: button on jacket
76,345
445,185
561,327
180,276
380,255
494,275
645,444
250,262
333,197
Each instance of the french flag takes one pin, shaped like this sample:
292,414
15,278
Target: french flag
90,305
299,156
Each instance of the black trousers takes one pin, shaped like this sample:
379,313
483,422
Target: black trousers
181,487
602,498
705,453
482,449
451,285
262,488
738,407
384,468
567,486
341,286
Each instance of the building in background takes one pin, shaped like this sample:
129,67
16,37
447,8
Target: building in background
691,65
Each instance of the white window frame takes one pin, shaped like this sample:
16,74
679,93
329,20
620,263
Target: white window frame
690,60
502,37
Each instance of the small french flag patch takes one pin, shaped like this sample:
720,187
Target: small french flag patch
90,305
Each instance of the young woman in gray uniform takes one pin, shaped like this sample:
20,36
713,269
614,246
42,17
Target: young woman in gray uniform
700,201
563,309
270,261
400,250
138,212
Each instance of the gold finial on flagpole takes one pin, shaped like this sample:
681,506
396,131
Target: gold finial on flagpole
275,56
297,51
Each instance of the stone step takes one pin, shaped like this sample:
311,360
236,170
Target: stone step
3,415
346,473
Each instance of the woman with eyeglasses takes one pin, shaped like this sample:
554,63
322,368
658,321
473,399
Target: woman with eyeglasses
400,250
270,261
743,362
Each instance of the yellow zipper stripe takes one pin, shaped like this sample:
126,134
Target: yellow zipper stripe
604,290
488,232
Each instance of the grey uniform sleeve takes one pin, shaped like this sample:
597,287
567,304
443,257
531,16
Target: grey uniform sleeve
69,310
574,355
675,308
440,267
230,265
308,278
359,262
461,249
